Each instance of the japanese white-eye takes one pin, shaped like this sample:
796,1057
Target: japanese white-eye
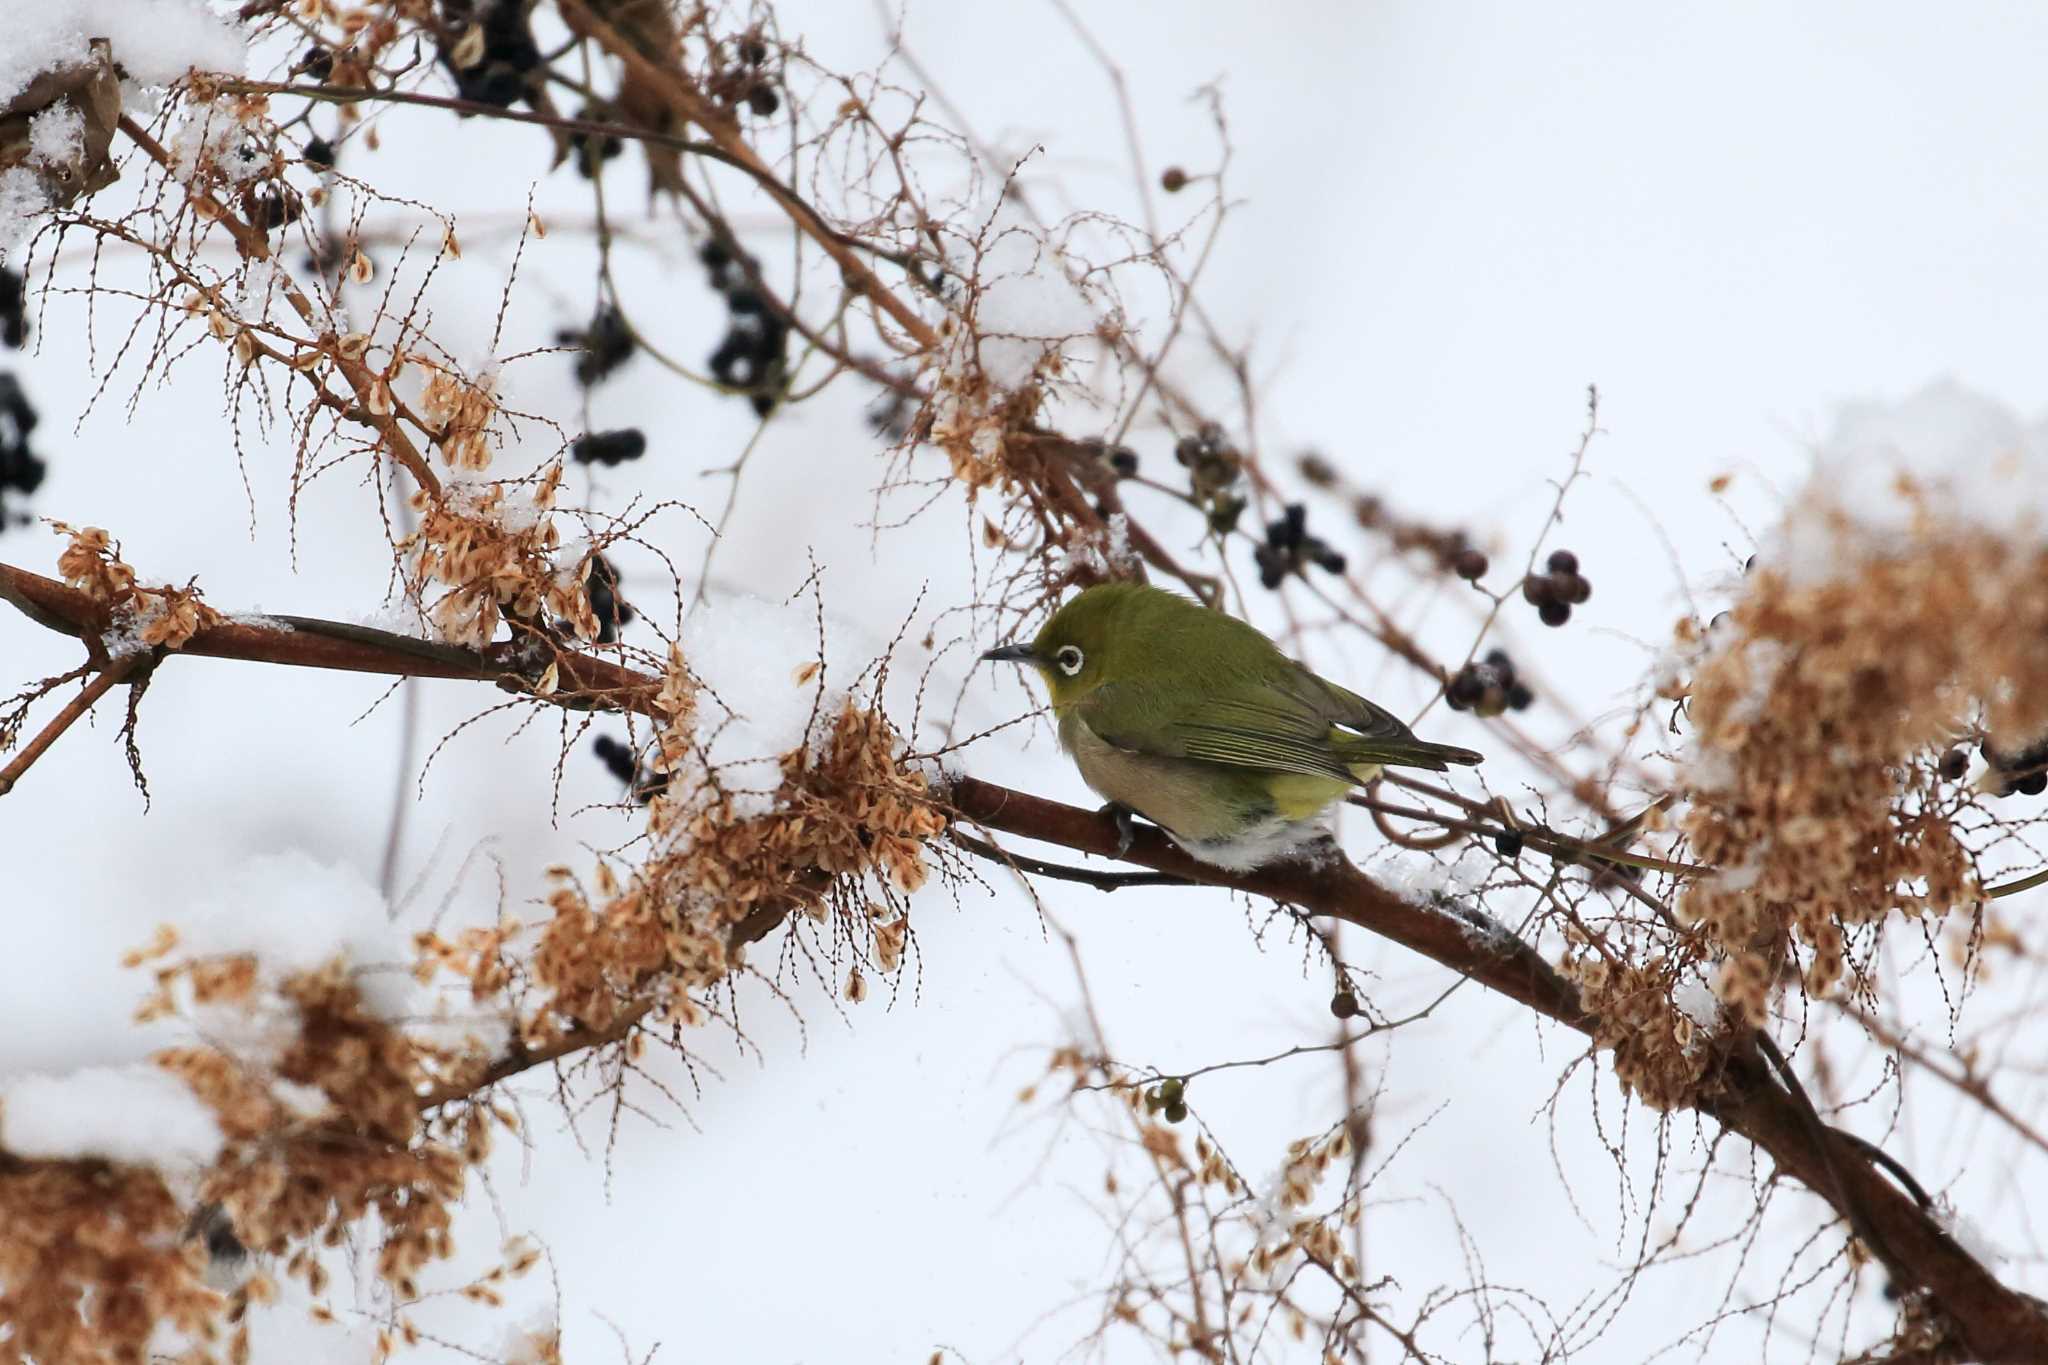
1196,721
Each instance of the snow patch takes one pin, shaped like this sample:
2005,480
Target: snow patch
155,41
138,1114
295,914
22,198
56,136
1947,454
1025,306
749,655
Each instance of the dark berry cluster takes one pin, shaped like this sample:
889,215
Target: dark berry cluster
753,357
20,470
489,50
1288,547
606,344
592,150
1212,462
612,611
1488,687
1214,466
747,80
13,309
1168,1099
619,761
608,447
2022,774
317,64
319,154
1556,592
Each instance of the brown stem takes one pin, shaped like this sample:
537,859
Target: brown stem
101,684
689,105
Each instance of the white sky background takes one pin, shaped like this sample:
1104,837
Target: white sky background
1453,219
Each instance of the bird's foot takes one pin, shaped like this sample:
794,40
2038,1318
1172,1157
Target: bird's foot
1126,826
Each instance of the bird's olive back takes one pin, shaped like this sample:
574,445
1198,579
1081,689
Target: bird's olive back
1148,640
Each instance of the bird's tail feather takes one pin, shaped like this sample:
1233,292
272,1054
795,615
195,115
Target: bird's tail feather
1406,753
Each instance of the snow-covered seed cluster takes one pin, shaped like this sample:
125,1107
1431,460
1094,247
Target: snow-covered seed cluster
1810,701
490,546
1657,1046
141,617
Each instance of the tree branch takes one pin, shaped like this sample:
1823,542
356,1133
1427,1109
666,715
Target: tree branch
1994,1323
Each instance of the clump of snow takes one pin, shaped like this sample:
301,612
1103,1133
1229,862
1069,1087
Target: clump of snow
1967,1234
401,617
1745,874
56,136
751,657
261,622
1947,456
1426,881
22,197
155,41
138,1114
295,914
1025,305
1104,555
211,135
473,493
536,1342
1695,999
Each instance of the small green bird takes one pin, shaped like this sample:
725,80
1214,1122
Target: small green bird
1196,721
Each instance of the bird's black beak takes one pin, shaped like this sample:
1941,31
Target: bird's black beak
1010,654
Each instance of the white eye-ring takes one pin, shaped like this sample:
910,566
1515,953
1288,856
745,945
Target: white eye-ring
1069,659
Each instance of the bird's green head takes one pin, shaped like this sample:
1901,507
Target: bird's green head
1075,650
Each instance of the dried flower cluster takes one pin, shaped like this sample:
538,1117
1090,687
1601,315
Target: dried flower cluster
322,1128
1809,703
491,546
970,417
847,832
142,617
94,1260
1658,1048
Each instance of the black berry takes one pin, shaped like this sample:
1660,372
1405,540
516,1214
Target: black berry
609,447
1470,565
1562,561
1554,613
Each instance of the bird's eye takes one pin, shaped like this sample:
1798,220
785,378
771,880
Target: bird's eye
1069,659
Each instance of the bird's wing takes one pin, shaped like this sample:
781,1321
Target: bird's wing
1292,721
1260,727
